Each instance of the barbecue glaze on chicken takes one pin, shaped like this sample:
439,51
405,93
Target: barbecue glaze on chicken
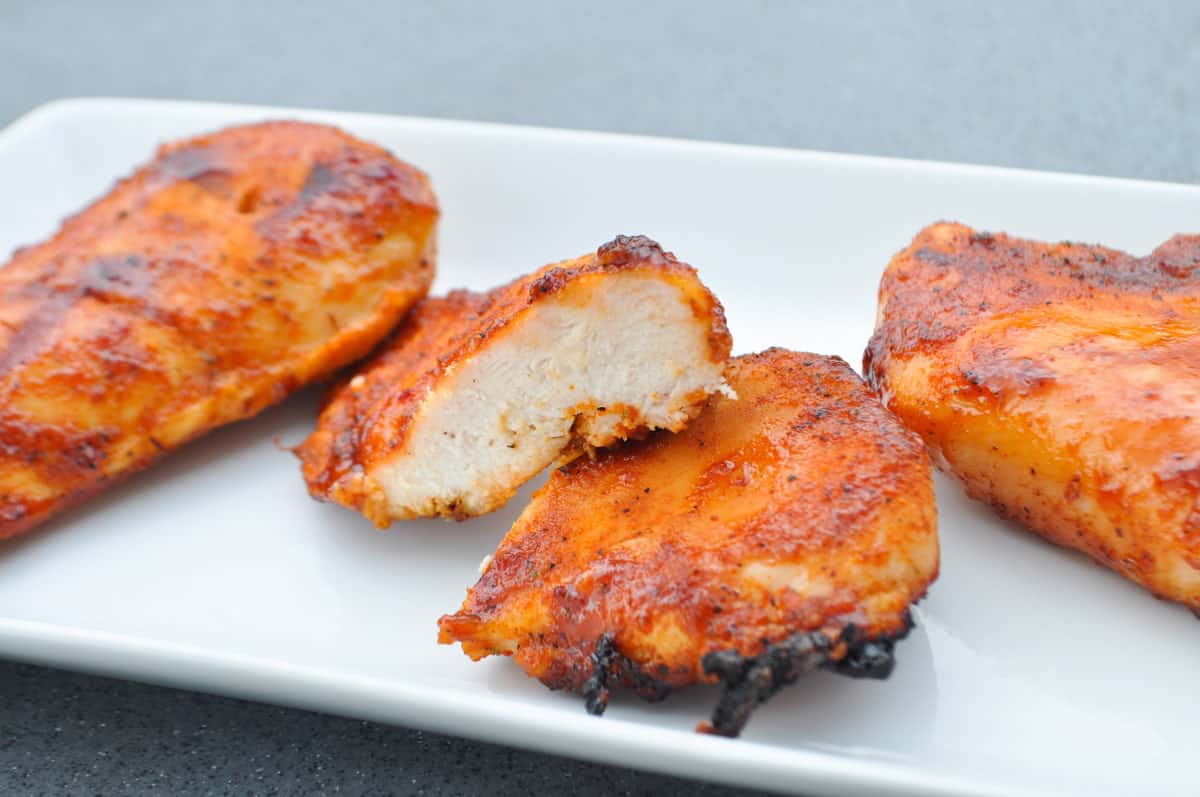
226,273
787,529
1061,384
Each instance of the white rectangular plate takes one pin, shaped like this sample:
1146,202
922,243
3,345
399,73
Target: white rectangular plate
1030,670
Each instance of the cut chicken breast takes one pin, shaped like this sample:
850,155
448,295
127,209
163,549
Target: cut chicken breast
228,272
787,529
1061,384
479,392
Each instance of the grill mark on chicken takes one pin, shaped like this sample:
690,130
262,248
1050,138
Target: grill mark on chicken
204,166
108,279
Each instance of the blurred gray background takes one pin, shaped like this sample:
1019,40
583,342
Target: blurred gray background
1096,87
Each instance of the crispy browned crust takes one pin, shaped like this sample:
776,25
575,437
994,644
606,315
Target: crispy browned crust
226,273
1061,383
643,549
369,416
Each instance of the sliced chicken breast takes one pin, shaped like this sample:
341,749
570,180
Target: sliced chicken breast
479,392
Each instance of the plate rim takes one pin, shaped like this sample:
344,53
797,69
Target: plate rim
329,691
49,112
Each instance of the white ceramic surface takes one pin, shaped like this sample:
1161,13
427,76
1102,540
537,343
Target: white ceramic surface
1031,669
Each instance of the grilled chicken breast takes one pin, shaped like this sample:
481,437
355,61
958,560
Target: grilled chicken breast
217,279
479,392
787,529
1061,384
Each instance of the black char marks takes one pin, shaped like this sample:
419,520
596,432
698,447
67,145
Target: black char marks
749,681
611,667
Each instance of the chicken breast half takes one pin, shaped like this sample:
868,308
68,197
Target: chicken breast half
217,279
785,530
479,392
1061,384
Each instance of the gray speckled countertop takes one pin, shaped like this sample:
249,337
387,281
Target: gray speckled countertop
1097,87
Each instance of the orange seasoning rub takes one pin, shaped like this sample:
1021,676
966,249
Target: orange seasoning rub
787,529
1061,384
220,277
